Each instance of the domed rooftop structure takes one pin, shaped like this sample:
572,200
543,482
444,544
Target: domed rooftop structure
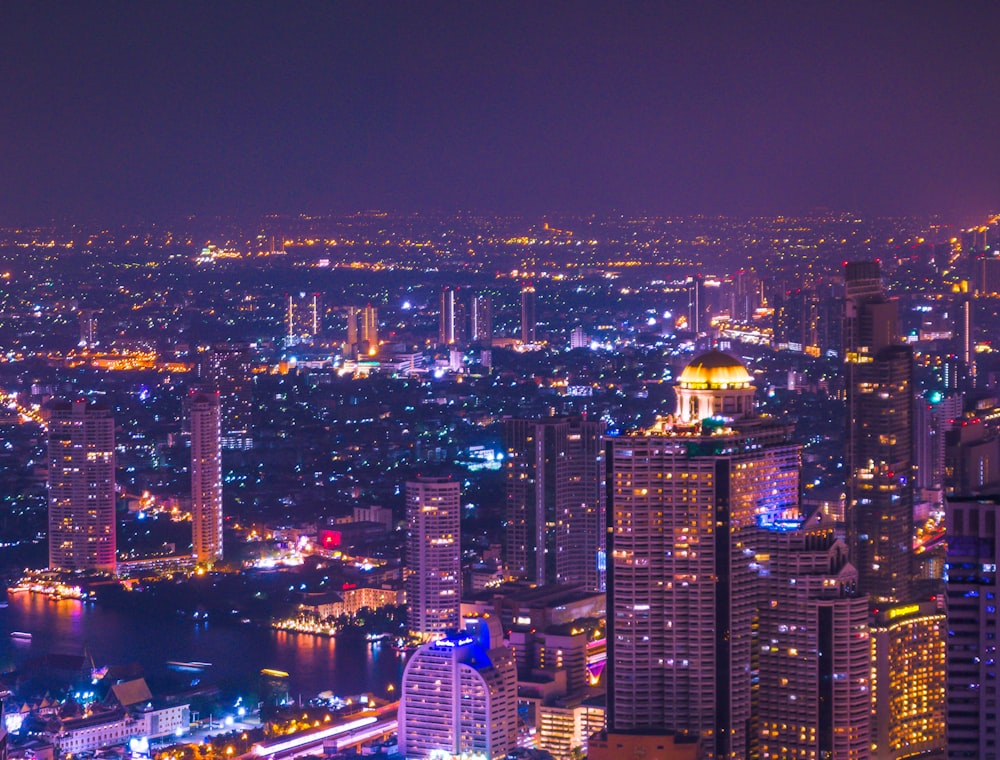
715,370
716,385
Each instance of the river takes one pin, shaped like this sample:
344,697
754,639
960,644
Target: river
237,653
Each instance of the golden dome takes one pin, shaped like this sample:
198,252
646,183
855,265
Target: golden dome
714,369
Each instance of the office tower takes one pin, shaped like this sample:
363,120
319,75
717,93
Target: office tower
908,683
368,329
362,331
446,326
481,318
528,320
451,328
206,477
578,338
815,657
965,342
932,419
830,297
971,595
796,321
81,459
303,318
352,328
554,473
743,295
459,696
565,725
684,500
227,368
433,560
972,449
879,456
987,279
699,314
88,328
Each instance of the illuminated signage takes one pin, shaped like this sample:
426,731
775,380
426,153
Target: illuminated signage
449,643
897,612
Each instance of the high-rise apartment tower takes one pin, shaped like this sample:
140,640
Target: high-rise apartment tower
206,477
684,501
433,559
81,459
879,456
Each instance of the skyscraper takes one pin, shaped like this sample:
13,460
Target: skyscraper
81,459
451,328
554,474
352,328
206,478
964,333
227,368
362,331
684,501
481,318
433,561
369,330
879,456
88,328
971,594
303,318
459,696
815,656
796,321
528,320
908,683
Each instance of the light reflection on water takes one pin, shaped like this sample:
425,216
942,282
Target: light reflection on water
237,653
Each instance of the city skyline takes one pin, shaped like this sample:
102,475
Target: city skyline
459,379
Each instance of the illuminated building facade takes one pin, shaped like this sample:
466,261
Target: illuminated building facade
971,595
565,727
227,368
451,330
206,478
554,474
965,342
368,328
81,458
908,681
459,697
529,323
88,328
814,699
433,562
988,274
684,501
481,318
362,331
303,318
796,321
879,456
972,449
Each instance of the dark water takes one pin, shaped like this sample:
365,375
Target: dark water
237,653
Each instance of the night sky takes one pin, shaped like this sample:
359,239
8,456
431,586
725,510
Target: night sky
149,110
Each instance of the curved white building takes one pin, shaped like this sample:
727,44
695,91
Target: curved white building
459,698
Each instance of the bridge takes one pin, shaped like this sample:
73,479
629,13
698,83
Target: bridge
353,731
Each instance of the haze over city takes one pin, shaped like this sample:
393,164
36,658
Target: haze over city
479,381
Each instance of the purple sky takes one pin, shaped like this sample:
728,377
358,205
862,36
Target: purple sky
152,109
